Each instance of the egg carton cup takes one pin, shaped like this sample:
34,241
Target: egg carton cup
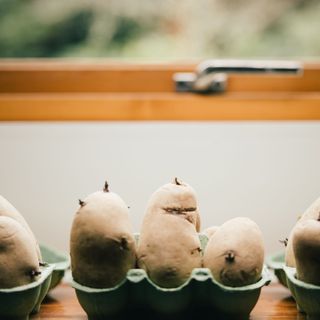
306,295
137,295
276,262
60,260
19,302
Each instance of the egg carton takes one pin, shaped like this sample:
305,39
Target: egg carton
19,302
200,294
306,295
60,260
276,263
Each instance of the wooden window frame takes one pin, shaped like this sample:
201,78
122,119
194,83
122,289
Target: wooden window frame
62,90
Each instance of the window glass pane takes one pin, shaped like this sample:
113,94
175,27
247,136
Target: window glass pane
154,29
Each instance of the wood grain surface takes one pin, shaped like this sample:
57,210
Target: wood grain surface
45,75
275,302
157,107
51,90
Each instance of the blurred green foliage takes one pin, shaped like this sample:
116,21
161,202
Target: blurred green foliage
160,29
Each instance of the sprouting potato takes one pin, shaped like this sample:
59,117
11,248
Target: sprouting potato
312,212
177,198
102,244
306,248
169,246
290,260
209,232
235,253
7,209
19,264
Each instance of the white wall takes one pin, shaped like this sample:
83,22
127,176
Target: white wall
268,171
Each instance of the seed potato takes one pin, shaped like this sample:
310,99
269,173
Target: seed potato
209,232
306,248
169,247
235,253
19,264
102,245
312,212
8,210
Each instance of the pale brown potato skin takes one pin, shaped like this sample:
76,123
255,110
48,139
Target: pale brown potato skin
235,253
290,260
312,212
19,263
102,245
169,247
180,199
209,232
198,221
306,248
8,210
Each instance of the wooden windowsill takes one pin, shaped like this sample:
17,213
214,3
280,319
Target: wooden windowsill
46,90
152,107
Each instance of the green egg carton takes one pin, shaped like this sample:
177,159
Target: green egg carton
201,293
306,295
60,261
19,302
137,295
276,262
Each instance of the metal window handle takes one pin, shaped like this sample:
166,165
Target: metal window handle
211,75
